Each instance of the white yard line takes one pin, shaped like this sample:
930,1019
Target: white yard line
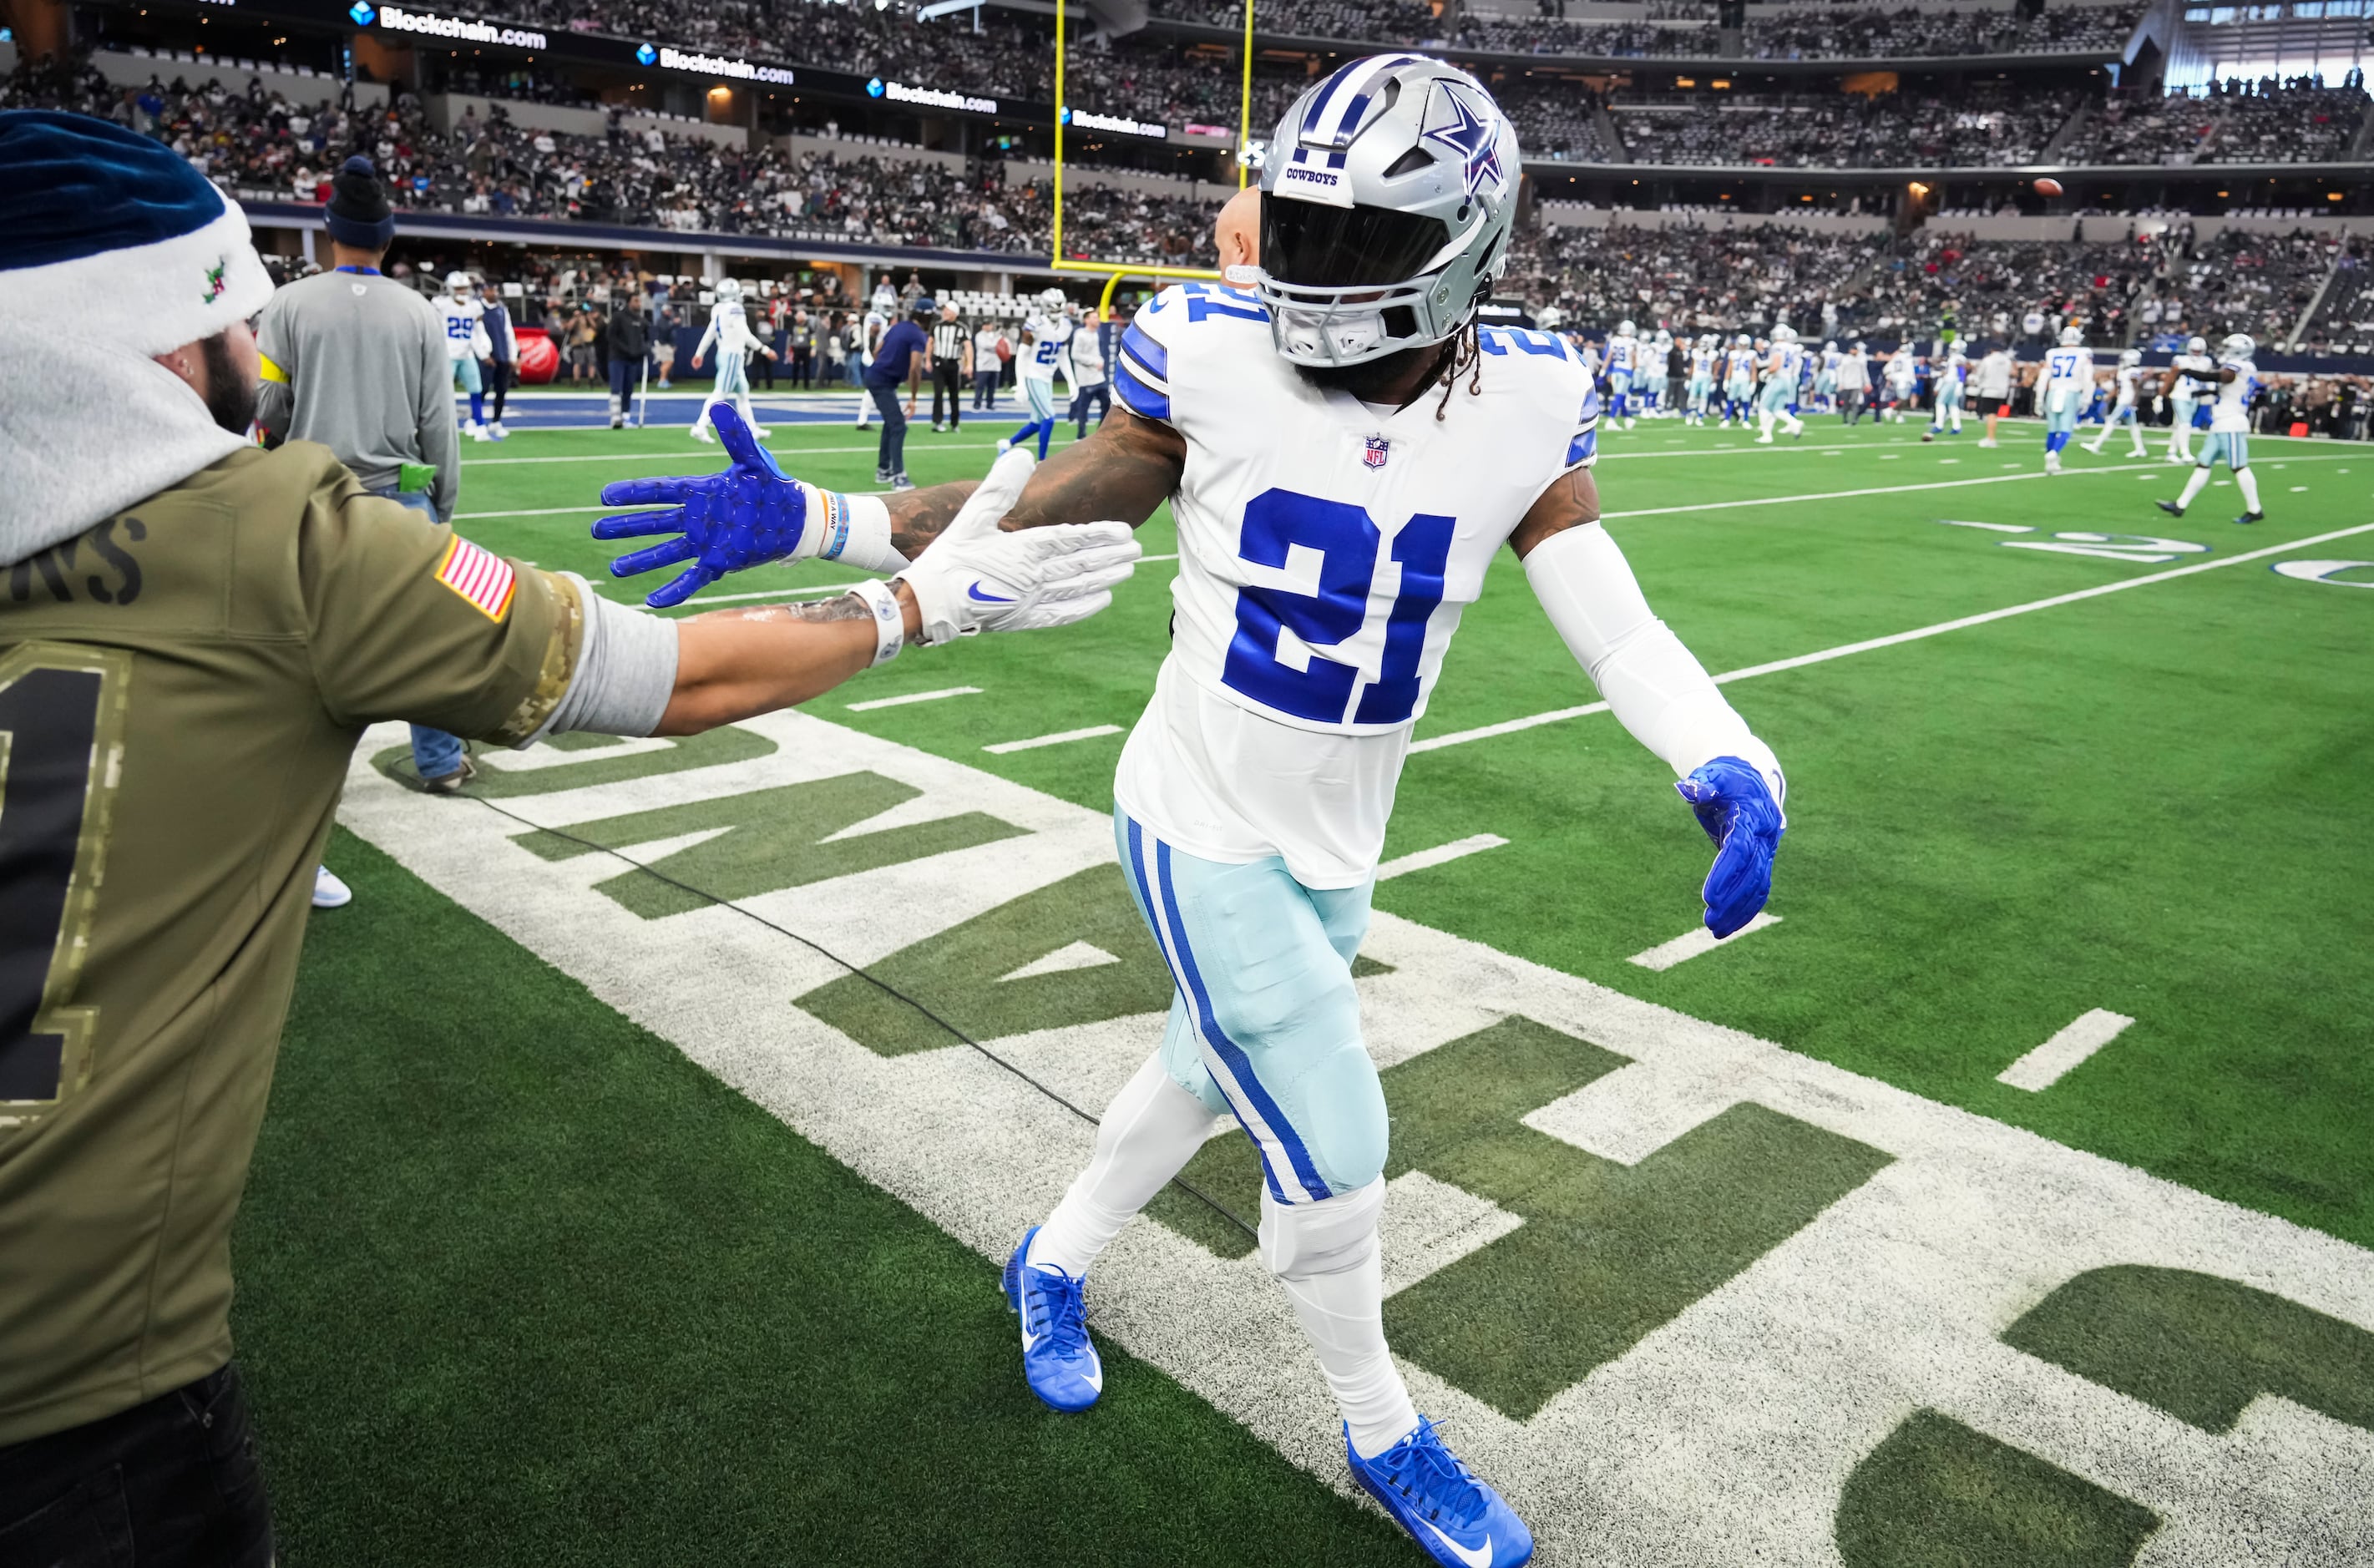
1691,943
1441,854
2043,1067
1510,726
1061,737
914,697
1906,490
693,451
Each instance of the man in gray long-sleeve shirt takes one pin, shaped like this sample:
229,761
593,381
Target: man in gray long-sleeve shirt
358,362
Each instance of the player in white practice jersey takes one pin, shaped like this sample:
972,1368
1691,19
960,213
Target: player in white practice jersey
2067,385
2124,406
2186,392
1623,370
1345,452
1048,335
1994,388
1703,355
1900,375
1782,368
1953,376
466,342
729,332
879,316
1825,380
1739,382
1656,359
2233,381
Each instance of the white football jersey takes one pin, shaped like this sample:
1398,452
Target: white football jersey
1043,355
1702,364
729,329
2184,392
1900,368
1327,550
460,317
2128,375
2231,413
1623,354
2068,374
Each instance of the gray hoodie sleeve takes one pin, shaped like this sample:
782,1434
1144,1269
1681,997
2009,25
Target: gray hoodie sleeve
441,447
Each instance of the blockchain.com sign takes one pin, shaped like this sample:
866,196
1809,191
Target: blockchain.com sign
1115,124
928,97
459,29
692,63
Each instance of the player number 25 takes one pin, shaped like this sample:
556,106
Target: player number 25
1347,539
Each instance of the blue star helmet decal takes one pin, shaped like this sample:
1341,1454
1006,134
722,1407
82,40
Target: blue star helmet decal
1470,128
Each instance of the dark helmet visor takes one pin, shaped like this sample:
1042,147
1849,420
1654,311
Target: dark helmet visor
1324,247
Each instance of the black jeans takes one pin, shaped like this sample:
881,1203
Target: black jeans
893,458
1094,392
498,381
948,381
173,1483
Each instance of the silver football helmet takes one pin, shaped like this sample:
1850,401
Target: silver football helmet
1626,328
2131,358
2071,337
1784,332
1741,340
459,286
1387,200
1051,298
2196,346
729,291
2237,346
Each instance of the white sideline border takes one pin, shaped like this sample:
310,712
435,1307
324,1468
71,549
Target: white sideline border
2045,1065
1697,940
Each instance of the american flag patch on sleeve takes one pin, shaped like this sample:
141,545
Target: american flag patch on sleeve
479,576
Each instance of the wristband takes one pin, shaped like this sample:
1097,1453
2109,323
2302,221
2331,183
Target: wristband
890,621
855,529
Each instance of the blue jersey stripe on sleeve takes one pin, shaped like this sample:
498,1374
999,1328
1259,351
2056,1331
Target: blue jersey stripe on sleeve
1150,354
1139,398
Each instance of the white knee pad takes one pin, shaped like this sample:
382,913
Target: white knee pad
1331,1236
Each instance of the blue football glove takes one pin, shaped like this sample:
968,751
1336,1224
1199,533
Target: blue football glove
1736,808
748,516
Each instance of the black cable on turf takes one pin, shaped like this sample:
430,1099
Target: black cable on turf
885,987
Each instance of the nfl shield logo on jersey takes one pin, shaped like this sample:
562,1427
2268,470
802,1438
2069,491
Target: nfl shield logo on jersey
1375,454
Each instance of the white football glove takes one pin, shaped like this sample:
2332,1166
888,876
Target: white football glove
974,578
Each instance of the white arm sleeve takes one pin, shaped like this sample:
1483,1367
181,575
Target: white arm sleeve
1653,685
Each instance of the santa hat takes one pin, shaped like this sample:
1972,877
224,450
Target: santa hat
112,249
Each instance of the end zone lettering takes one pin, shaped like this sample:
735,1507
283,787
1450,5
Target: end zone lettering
395,18
932,98
722,65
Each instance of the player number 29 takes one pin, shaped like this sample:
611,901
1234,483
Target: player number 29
1347,539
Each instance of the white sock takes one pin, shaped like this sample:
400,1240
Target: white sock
1151,1129
2250,483
1763,421
1342,1310
2193,487
1796,426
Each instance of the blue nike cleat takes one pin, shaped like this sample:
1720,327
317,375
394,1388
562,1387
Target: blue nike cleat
1057,1359
1460,1522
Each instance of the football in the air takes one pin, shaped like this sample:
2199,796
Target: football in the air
2048,187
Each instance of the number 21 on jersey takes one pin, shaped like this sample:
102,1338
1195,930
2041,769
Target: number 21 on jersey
1347,539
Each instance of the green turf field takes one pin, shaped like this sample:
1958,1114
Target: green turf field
598,1224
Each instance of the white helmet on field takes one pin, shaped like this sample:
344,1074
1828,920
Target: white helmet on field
457,284
1783,332
2196,345
2239,346
1954,351
1741,340
729,291
2071,337
2132,357
1387,199
1624,328
1664,336
1831,346
1053,298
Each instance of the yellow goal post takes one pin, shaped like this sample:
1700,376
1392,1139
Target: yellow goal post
1116,271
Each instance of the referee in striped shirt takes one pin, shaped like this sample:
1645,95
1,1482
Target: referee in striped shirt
951,365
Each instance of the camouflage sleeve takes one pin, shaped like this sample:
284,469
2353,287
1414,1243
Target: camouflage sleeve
408,620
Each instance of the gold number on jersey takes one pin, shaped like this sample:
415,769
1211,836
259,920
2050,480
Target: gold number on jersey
61,758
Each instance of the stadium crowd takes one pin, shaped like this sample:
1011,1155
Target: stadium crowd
1846,131
1683,275
2299,120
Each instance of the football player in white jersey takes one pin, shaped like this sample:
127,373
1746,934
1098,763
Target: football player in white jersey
2232,382
2124,408
1900,375
729,332
1656,362
1046,337
1623,366
1703,354
1345,452
466,342
1953,376
1739,382
2185,393
1782,368
1994,388
2068,383
1825,380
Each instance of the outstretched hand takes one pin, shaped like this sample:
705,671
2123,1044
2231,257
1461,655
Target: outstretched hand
748,516
1736,808
977,578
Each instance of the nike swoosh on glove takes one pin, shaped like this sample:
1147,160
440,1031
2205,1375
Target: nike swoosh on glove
976,578
750,515
1736,808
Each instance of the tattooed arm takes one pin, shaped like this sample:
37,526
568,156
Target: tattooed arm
732,664
1127,467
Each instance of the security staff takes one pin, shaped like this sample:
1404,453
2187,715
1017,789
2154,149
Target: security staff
196,635
951,366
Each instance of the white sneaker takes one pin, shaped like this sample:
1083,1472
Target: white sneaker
1004,445
476,432
701,433
1765,440
329,893
496,429
1989,442
2051,463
